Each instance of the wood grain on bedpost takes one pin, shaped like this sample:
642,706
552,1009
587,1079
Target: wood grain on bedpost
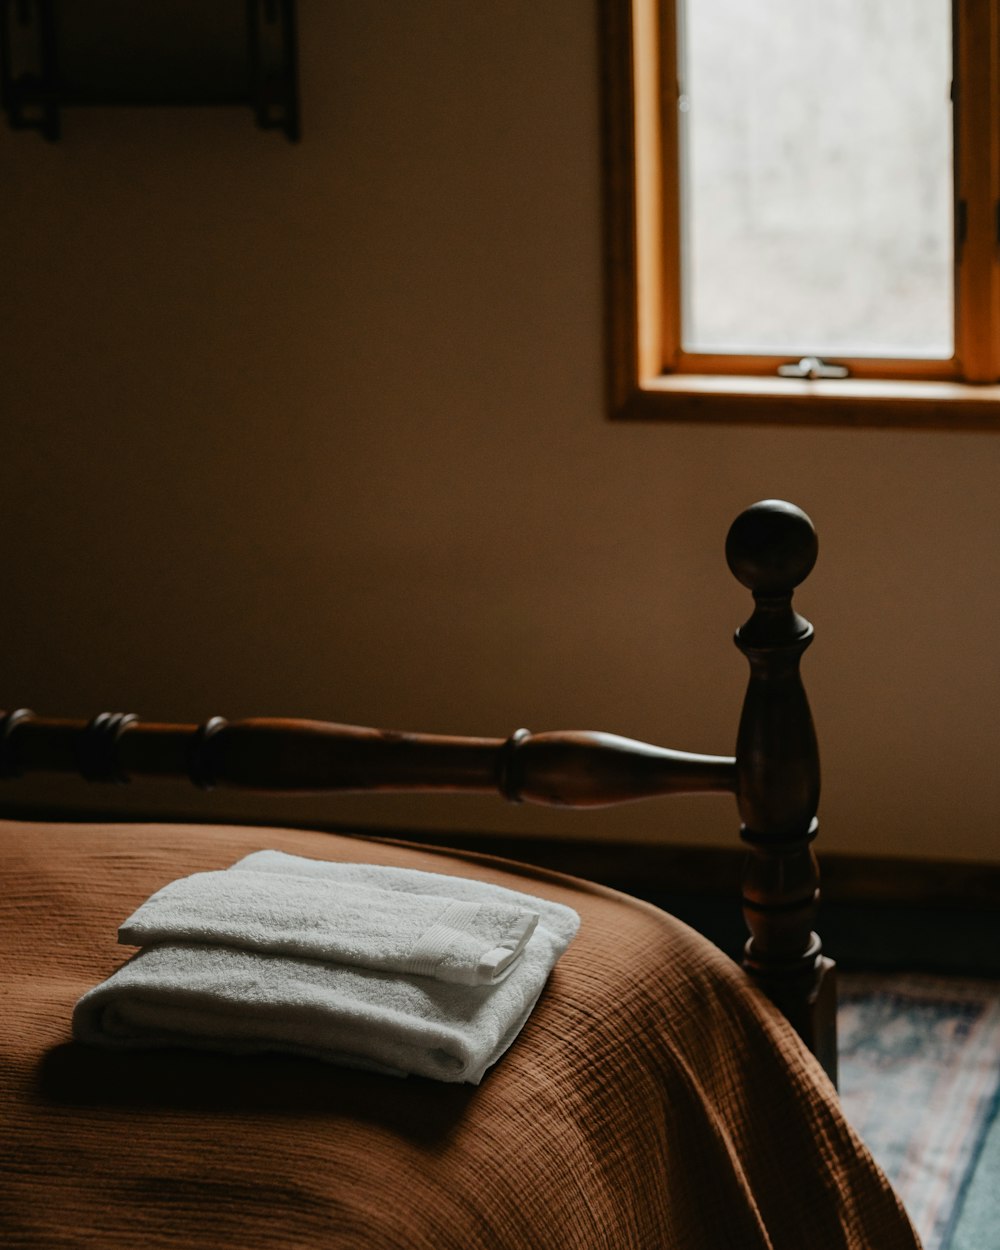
771,548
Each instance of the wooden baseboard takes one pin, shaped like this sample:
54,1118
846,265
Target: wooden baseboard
877,913
661,869
713,871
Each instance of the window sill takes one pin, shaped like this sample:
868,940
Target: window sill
783,401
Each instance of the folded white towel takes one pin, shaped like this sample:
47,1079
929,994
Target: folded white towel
239,1000
469,942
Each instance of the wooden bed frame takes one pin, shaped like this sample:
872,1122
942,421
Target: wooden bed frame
771,548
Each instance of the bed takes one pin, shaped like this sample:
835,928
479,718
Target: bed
658,1095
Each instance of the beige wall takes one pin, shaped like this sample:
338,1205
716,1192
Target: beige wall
318,431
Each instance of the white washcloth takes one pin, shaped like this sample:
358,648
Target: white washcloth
244,1001
469,942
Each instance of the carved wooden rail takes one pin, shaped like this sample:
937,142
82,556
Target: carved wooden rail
569,769
771,548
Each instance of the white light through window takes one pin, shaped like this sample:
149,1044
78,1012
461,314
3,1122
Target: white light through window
816,198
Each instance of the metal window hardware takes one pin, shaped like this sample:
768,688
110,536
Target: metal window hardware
812,368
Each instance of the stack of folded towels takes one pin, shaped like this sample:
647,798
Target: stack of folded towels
383,968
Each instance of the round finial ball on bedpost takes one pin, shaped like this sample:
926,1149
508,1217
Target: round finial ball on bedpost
771,547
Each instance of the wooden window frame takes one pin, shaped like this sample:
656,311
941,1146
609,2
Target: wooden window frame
651,378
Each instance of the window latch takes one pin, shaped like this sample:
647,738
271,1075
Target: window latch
812,368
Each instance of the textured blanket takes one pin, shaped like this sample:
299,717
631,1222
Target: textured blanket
653,1100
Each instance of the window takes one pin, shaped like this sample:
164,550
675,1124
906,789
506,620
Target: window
803,210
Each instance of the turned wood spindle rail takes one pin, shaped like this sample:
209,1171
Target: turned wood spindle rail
774,775
567,769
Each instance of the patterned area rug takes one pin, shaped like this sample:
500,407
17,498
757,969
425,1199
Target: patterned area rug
920,1081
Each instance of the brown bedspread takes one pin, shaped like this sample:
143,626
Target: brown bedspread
652,1100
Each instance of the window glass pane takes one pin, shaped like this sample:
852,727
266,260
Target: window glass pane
816,184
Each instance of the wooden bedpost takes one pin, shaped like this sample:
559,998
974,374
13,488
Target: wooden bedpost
771,548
